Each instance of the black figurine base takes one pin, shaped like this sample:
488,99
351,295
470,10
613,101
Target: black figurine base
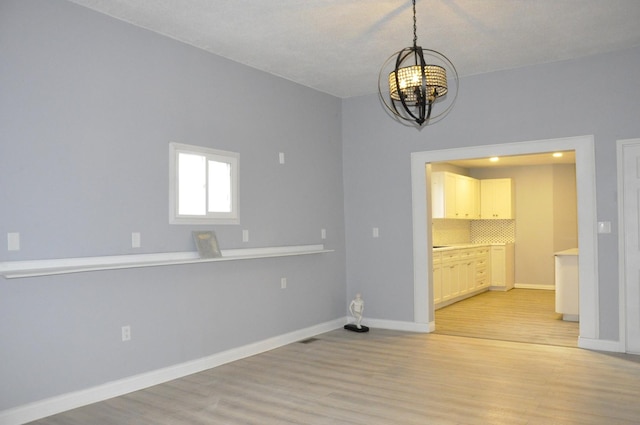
354,328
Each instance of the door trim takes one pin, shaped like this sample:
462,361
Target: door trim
587,236
622,256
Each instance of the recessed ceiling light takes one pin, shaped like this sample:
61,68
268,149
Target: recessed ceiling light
557,155
494,159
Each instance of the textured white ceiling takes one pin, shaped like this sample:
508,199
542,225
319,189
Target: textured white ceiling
338,46
568,157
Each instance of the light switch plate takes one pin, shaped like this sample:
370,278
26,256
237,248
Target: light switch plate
135,240
13,241
245,235
604,227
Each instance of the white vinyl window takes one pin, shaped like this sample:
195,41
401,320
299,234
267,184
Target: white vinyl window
203,185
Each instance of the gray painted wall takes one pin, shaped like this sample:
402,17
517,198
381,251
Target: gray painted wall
88,106
565,201
596,95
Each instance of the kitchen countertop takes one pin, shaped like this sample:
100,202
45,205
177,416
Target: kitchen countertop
572,251
467,245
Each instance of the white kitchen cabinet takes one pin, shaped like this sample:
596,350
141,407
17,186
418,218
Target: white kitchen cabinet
475,193
450,275
443,195
502,267
464,197
437,278
454,196
482,277
497,199
567,284
459,273
467,271
463,272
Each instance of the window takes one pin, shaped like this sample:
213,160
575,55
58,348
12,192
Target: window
203,185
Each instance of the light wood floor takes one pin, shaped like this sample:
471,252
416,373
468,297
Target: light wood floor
524,315
391,378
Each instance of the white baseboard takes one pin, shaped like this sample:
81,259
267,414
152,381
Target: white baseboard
51,406
532,286
600,345
401,326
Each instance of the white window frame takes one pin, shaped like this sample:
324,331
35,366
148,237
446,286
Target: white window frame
232,158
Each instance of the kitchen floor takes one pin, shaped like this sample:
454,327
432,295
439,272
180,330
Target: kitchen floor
520,315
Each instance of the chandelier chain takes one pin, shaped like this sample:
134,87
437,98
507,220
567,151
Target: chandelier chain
415,33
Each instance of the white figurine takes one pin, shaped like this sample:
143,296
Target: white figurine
356,308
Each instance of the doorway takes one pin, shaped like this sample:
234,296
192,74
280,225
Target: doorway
540,216
585,176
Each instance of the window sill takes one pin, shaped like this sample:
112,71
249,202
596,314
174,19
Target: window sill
18,269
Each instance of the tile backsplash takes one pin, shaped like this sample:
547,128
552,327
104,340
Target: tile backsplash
446,231
493,231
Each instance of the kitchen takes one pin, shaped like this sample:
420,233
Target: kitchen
534,216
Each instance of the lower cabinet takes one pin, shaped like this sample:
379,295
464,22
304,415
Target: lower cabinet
502,267
460,273
467,282
450,275
437,278
483,262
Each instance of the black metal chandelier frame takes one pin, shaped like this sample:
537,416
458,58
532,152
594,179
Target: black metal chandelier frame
414,89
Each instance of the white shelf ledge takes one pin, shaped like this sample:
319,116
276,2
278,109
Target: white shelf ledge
17,269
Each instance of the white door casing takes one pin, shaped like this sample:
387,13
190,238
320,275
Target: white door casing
629,240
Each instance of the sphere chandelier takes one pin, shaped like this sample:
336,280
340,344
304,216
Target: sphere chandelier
422,86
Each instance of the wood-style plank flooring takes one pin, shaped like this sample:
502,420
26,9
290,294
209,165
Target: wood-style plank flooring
524,315
390,377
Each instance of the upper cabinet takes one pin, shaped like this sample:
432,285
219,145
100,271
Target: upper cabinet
497,199
442,203
454,196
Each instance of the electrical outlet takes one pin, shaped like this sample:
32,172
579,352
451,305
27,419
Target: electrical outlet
245,235
283,283
126,333
281,157
376,232
323,233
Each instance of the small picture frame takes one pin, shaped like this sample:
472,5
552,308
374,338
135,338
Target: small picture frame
207,244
